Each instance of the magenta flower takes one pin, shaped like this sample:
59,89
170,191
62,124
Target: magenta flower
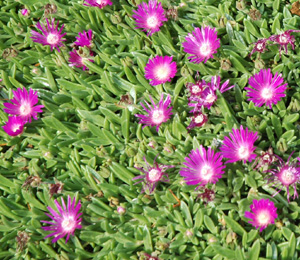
240,145
160,69
25,12
23,104
196,89
263,213
203,167
14,126
157,114
284,40
286,174
199,119
84,39
50,35
266,89
152,175
149,17
78,61
259,46
65,221
98,3
209,95
202,44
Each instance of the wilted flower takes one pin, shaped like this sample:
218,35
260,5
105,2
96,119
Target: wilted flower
263,213
65,221
33,181
203,167
265,89
202,44
152,175
51,36
196,89
284,40
98,3
265,159
55,188
23,105
78,61
259,46
84,39
22,239
160,69
149,17
209,95
157,114
240,145
198,120
14,126
206,196
286,174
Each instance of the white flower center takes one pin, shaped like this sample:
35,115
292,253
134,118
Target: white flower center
52,38
196,89
152,21
162,72
15,128
243,152
288,176
259,46
206,172
25,109
267,93
154,175
210,98
263,218
283,39
205,49
68,224
199,119
158,116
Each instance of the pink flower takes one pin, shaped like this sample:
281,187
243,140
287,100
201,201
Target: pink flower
25,12
259,46
23,104
152,175
149,17
286,174
51,36
240,145
263,213
202,167
209,95
199,119
160,69
266,89
196,89
65,221
98,3
202,44
157,114
14,126
78,61
84,39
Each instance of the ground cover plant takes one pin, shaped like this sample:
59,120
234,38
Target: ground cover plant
149,129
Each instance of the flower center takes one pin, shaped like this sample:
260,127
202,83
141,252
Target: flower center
15,128
267,93
199,119
259,46
154,175
206,172
210,98
68,224
158,116
152,21
52,38
288,176
25,109
196,89
283,39
205,49
162,72
243,152
263,218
